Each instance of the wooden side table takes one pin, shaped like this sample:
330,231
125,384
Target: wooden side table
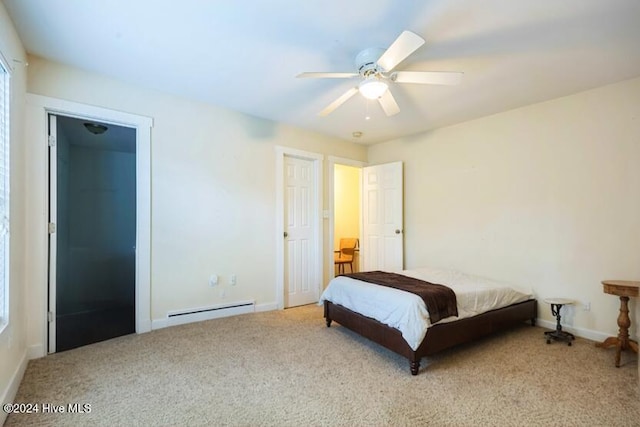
558,334
624,289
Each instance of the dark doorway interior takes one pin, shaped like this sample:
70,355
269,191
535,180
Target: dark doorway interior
95,232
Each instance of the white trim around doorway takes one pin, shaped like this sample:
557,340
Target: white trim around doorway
317,159
332,161
37,110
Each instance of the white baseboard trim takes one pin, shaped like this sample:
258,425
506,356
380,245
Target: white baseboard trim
143,326
267,307
579,332
36,351
158,324
182,317
9,394
168,321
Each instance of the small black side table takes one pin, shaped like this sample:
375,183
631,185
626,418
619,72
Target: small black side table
558,334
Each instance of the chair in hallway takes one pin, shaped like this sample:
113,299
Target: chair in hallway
346,253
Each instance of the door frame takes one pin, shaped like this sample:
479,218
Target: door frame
317,160
37,114
332,161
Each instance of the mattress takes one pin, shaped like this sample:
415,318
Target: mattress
407,312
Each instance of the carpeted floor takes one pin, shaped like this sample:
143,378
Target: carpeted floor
286,368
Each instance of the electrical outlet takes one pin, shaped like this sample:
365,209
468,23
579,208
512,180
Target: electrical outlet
213,280
232,279
586,306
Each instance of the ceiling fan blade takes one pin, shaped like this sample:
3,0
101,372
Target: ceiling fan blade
327,75
428,77
403,46
338,102
388,103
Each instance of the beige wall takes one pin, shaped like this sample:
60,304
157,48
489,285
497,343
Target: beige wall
546,196
213,187
13,339
346,208
346,194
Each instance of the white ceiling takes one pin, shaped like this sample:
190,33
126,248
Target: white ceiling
244,55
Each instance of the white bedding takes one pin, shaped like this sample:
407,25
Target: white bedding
407,312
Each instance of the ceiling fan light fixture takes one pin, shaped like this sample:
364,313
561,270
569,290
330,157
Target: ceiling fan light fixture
376,67
373,88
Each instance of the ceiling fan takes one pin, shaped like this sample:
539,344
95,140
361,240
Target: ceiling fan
375,69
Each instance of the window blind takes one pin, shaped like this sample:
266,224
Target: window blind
4,193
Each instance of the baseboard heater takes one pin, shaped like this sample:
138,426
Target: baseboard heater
212,312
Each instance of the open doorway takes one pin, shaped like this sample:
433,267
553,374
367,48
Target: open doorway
92,244
346,217
38,111
379,193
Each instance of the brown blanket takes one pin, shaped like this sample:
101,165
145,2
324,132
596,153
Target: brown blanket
439,299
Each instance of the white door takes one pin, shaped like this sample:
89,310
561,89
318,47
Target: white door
300,248
382,214
53,219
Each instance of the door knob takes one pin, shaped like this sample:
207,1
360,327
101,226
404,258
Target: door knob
398,231
286,234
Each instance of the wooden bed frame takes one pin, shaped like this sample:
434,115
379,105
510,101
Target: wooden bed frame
439,337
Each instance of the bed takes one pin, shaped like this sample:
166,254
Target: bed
400,321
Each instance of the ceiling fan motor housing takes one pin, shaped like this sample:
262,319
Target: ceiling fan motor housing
375,68
367,61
